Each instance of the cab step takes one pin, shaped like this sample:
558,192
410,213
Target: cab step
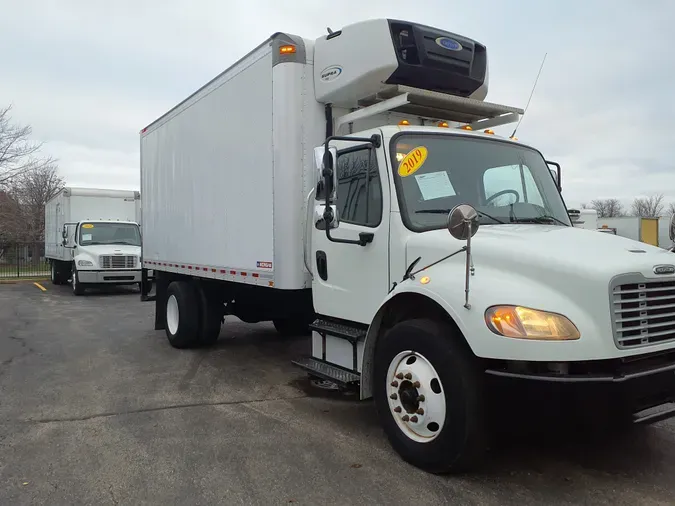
324,370
348,332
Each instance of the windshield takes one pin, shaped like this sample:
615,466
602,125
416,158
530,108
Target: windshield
505,182
109,233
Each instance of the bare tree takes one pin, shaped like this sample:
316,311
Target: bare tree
10,218
31,190
651,206
18,154
608,208
671,209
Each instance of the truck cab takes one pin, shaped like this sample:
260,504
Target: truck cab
103,252
443,257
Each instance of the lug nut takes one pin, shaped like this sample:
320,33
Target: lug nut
420,411
417,384
394,383
393,397
413,419
397,409
421,398
408,376
405,418
400,375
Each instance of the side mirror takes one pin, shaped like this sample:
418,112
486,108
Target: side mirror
321,161
463,225
555,174
64,234
463,222
671,229
320,220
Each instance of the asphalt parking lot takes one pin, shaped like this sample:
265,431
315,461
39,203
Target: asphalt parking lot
97,408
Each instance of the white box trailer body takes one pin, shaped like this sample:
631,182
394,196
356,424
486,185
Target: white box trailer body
225,191
238,219
92,237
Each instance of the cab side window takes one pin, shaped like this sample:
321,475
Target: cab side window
359,192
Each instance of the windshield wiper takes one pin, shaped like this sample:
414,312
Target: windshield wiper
125,242
446,211
540,219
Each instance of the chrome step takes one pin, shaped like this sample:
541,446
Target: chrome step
327,371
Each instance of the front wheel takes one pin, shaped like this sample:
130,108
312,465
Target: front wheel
78,289
429,396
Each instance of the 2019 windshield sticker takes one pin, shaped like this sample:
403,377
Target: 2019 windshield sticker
413,161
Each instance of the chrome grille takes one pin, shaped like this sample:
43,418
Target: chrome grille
643,311
117,261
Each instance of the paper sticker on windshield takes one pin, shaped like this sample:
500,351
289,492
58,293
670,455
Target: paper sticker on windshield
435,185
412,162
87,225
86,237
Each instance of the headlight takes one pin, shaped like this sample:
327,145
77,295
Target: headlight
525,323
84,263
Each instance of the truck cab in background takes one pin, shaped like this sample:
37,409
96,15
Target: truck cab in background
93,237
103,253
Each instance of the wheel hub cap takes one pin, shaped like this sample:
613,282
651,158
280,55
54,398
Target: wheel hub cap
416,397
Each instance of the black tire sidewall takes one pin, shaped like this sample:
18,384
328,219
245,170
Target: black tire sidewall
462,439
210,317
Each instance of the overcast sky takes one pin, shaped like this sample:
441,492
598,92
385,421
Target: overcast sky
89,75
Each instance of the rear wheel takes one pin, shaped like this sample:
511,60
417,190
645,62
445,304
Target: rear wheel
55,274
429,396
211,316
182,315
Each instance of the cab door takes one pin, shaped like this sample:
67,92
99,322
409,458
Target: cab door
351,280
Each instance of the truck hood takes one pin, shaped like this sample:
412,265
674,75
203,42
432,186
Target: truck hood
110,249
549,249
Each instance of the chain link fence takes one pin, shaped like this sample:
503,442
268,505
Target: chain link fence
23,260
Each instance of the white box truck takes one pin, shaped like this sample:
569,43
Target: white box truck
341,183
92,237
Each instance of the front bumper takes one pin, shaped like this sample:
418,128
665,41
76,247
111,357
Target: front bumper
634,384
109,276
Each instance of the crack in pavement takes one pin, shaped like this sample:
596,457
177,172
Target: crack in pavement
157,408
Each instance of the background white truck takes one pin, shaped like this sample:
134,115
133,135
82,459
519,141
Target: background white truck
316,181
92,237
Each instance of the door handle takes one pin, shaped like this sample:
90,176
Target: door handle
322,265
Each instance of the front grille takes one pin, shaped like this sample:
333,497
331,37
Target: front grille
117,261
643,311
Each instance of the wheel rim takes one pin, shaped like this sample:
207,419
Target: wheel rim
172,314
415,395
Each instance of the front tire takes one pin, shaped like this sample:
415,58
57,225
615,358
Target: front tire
429,396
182,315
78,288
